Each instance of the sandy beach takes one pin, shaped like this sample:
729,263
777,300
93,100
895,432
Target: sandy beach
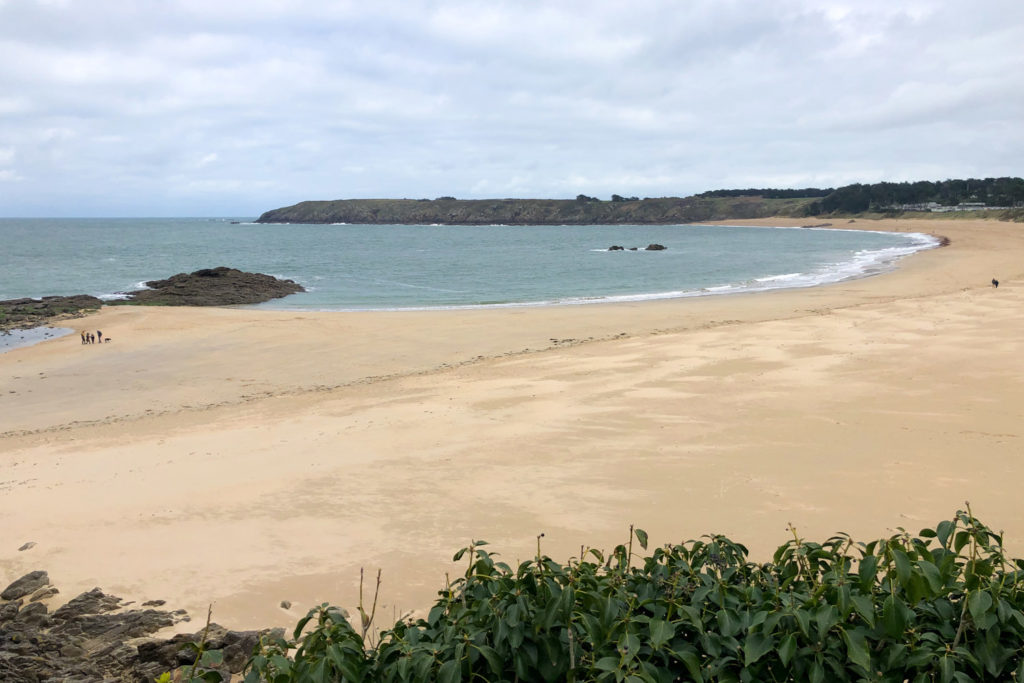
243,457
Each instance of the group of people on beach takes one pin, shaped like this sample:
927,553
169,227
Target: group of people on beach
90,338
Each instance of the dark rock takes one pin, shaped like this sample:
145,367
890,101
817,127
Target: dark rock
27,546
119,626
9,610
615,247
27,584
28,313
34,614
286,604
91,602
219,286
93,639
236,647
154,603
44,593
655,247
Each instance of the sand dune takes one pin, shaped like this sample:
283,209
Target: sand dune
244,457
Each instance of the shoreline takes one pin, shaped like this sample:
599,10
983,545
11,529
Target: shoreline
248,456
864,263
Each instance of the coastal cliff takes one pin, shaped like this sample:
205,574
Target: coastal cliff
581,211
994,197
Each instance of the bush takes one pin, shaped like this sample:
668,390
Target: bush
944,605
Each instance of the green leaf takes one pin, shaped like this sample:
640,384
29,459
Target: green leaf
629,646
932,575
979,603
641,536
867,571
688,656
946,669
787,648
727,623
450,672
892,618
817,672
857,649
903,570
458,555
661,633
607,663
493,660
755,646
803,621
865,607
943,530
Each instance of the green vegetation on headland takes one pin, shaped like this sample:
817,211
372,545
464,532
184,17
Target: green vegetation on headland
582,211
946,604
994,197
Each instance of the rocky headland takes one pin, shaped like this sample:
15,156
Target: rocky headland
219,286
96,636
580,211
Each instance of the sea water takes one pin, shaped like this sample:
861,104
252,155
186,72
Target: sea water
394,267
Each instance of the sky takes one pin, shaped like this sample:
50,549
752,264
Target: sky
232,108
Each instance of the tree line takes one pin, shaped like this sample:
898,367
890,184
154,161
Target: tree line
857,198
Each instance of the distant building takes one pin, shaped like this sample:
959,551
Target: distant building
935,207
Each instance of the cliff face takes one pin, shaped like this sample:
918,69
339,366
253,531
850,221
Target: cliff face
668,210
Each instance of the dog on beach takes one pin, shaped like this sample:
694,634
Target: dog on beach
107,340
995,282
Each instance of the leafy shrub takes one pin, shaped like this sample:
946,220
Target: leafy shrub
944,605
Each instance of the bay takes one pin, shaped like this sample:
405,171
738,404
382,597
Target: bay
388,267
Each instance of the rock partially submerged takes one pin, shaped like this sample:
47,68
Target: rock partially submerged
21,314
649,247
95,638
219,286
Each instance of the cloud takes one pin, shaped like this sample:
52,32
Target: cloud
114,107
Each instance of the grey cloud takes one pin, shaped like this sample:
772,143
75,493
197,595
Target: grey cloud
112,107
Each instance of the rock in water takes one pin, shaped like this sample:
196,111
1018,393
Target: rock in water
219,286
28,313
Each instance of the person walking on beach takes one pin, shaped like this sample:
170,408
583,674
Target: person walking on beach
83,336
99,337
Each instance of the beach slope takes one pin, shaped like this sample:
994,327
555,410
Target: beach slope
244,457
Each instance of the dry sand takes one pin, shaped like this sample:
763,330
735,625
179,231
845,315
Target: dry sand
245,457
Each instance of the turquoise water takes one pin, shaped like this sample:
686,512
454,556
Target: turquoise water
361,267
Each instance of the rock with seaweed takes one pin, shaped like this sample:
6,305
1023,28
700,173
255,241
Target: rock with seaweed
220,286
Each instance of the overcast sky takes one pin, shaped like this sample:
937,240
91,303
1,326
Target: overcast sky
223,108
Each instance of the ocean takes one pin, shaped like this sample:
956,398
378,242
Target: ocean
395,267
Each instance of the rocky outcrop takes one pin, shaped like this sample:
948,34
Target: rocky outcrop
219,286
28,313
95,637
